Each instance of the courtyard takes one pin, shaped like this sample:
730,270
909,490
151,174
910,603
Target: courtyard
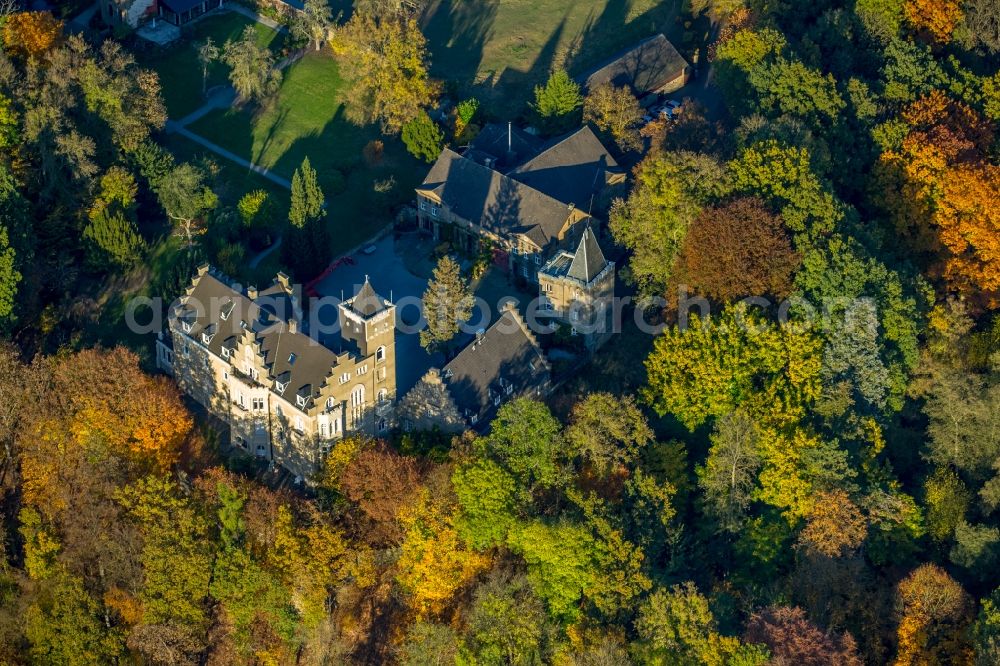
394,275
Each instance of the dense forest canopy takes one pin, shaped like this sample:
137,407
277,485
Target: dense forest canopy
811,484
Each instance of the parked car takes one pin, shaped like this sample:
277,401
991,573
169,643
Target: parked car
370,249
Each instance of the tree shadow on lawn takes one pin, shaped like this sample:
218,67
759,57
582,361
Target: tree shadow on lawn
457,32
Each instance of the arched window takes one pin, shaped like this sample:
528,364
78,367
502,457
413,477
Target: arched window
383,394
357,403
380,354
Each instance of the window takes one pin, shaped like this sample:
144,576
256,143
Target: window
225,375
226,353
382,425
279,387
538,259
186,325
509,389
383,394
253,373
473,419
323,430
434,211
329,404
324,450
206,338
291,359
258,404
335,427
299,425
241,400
496,401
300,400
357,402
524,269
423,204
380,354
344,378
363,370
381,374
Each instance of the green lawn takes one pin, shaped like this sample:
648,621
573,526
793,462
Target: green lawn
178,66
499,49
308,119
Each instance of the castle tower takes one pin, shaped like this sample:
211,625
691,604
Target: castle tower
369,321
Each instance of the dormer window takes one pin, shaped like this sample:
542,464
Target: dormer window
473,419
448,373
206,338
227,309
329,404
509,389
186,326
496,401
300,400
291,359
226,352
280,387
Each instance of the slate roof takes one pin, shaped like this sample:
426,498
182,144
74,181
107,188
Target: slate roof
492,142
506,354
180,6
646,67
501,204
366,302
583,264
290,356
572,169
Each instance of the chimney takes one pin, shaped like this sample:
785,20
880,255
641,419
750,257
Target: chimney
283,280
252,293
293,325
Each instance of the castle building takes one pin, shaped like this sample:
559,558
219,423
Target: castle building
243,355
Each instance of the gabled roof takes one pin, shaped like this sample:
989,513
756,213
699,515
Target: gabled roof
646,67
290,356
506,354
572,169
501,204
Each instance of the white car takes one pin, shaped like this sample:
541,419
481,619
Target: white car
370,249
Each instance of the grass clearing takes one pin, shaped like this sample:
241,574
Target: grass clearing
499,49
307,118
178,66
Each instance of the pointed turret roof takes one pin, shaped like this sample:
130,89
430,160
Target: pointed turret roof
366,302
588,261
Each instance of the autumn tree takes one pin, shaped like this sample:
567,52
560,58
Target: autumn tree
433,562
736,250
793,639
381,482
385,55
934,20
252,71
736,358
669,193
507,622
447,305
942,190
608,431
934,615
834,526
31,34
616,112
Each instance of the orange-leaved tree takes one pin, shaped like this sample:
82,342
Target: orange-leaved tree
943,192
31,34
933,20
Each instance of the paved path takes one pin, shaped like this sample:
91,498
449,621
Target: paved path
173,127
219,97
254,16
260,257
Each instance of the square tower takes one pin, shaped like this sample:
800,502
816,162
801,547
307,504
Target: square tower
369,322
